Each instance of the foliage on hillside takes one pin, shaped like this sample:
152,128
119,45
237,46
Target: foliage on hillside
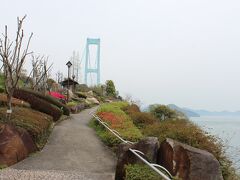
140,119
183,131
150,124
36,123
118,120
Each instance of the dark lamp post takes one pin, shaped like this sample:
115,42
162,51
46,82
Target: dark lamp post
69,64
73,76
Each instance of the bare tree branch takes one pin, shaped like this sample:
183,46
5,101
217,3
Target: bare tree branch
13,59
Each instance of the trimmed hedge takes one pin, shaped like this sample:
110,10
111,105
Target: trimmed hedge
50,99
38,124
38,104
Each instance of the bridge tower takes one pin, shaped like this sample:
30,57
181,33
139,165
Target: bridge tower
88,66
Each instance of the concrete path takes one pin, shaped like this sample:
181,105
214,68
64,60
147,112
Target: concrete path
73,152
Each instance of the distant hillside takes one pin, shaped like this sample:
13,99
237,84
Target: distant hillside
185,111
215,113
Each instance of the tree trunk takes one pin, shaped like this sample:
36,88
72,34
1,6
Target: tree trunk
9,105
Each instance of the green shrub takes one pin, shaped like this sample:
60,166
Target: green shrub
140,172
49,99
142,119
72,103
38,104
82,88
162,112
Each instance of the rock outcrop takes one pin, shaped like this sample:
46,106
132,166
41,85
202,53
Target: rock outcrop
15,144
149,146
187,162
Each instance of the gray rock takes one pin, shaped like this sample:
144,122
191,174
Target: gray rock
188,163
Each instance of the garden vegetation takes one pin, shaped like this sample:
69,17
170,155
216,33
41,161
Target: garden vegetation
160,122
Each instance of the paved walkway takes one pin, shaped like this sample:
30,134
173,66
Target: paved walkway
73,152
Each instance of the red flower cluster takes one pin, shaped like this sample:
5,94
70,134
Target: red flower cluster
110,118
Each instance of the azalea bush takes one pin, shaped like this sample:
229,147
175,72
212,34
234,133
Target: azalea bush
118,120
39,104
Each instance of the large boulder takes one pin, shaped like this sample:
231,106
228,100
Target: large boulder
92,100
15,144
149,146
89,94
188,163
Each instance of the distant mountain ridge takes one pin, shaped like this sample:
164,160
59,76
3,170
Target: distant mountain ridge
215,113
187,112
197,113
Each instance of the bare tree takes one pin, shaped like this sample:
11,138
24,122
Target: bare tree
59,77
37,66
13,56
40,73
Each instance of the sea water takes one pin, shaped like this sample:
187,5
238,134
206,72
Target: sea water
227,129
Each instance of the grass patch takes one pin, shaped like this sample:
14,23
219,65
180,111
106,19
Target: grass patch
39,125
140,172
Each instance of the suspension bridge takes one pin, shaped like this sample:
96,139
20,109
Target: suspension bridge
88,66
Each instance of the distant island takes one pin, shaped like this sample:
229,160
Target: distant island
197,113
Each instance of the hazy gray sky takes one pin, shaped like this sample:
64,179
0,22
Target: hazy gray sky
185,52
